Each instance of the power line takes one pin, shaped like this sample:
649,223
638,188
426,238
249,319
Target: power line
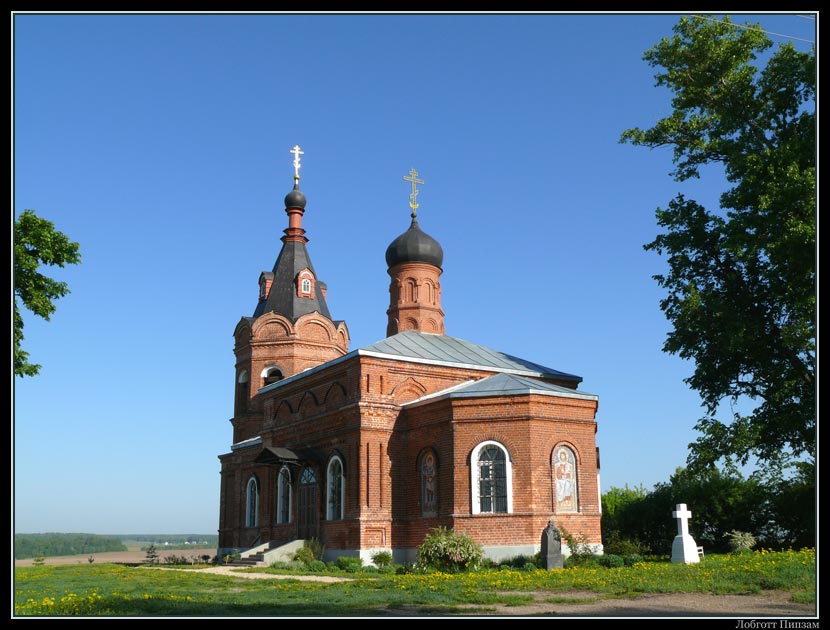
752,28
807,17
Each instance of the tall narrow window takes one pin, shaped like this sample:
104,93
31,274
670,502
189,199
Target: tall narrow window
565,481
252,503
335,488
284,496
491,479
306,285
241,401
429,482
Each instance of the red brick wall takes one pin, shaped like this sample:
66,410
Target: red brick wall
415,299
353,409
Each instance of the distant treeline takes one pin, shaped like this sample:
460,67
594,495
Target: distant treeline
54,544
173,539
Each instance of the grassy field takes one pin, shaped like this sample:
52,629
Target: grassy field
119,590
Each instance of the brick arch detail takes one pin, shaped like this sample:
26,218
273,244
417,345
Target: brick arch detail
493,436
284,410
400,393
307,400
272,325
335,393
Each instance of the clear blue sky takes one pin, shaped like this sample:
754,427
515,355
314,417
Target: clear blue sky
161,144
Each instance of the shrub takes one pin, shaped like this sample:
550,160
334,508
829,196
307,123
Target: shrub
529,566
349,564
624,546
382,559
519,562
632,559
304,555
581,561
578,544
151,555
740,541
611,560
318,566
406,569
388,569
370,569
446,550
311,550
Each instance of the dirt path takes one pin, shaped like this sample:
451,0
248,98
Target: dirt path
766,604
237,573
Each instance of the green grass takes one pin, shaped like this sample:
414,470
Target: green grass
117,590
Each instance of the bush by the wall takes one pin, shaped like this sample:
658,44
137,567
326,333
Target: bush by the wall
349,564
447,550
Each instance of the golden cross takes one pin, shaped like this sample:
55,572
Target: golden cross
413,197
297,153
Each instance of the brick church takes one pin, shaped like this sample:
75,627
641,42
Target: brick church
369,449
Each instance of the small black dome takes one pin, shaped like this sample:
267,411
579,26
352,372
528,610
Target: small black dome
295,199
414,245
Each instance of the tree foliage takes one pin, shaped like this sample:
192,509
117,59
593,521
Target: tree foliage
36,243
742,280
775,509
54,544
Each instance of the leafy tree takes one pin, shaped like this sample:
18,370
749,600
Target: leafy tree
151,554
778,510
742,280
37,242
58,544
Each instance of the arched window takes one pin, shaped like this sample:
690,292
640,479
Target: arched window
411,290
305,284
252,503
284,496
335,490
429,484
271,374
491,479
564,480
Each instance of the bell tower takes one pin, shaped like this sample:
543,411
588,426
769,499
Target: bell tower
291,329
414,262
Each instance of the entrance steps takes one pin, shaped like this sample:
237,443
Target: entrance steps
265,554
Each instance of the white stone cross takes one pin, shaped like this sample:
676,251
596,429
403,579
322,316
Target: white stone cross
297,153
682,515
684,547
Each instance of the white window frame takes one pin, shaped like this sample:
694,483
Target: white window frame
281,495
475,481
252,500
330,516
305,285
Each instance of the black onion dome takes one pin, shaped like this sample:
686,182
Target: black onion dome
295,199
414,245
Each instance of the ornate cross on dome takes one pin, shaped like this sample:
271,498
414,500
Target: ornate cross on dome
297,153
413,196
